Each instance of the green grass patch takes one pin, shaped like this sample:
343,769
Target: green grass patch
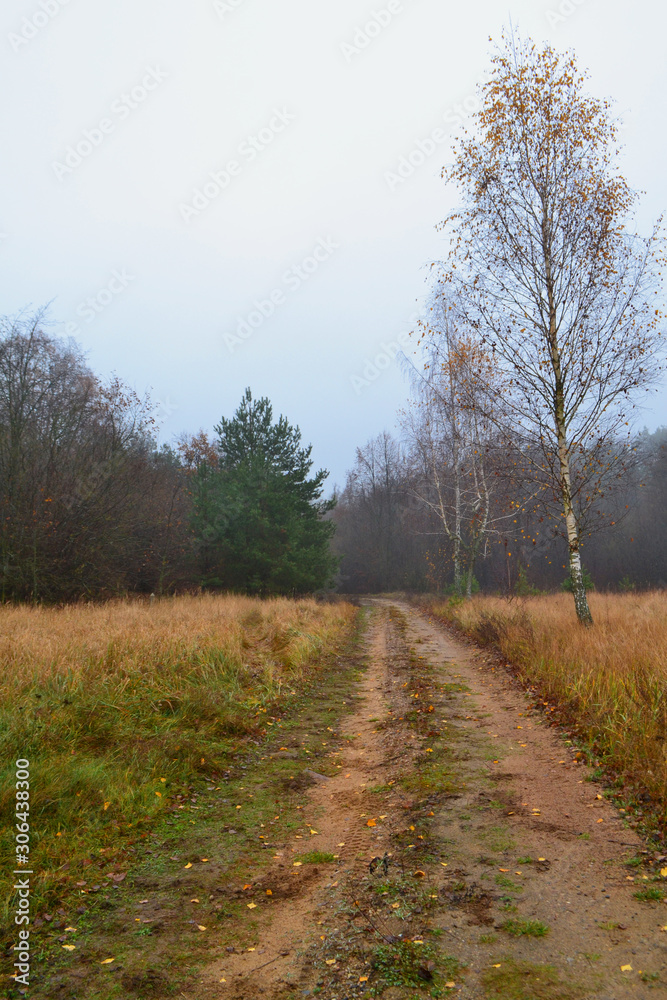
516,980
649,894
316,858
525,928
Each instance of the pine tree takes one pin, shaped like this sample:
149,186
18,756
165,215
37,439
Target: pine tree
259,518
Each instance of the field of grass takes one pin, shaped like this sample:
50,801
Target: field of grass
607,684
121,707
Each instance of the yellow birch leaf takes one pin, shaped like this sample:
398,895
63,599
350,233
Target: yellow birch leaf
189,865
107,961
252,906
626,968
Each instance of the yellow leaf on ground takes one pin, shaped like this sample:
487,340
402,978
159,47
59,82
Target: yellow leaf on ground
204,860
343,845
268,892
106,806
663,872
69,947
252,906
70,928
395,906
331,961
297,864
600,820
450,986
371,822
194,900
107,961
189,865
496,966
419,873
626,968
363,979
201,927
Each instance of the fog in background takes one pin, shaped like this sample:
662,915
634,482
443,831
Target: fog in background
305,258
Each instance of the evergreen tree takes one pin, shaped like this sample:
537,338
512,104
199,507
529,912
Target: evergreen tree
258,517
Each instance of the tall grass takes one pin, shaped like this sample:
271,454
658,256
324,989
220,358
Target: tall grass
116,706
609,682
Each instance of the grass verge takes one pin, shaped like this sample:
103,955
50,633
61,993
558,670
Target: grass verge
136,718
605,684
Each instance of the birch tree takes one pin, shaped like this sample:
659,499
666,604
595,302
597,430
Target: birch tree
451,439
543,257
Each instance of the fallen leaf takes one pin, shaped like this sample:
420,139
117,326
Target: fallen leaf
204,860
106,806
189,865
450,986
247,886
297,864
223,980
343,845
541,859
395,906
107,961
313,832
159,794
269,892
69,947
663,872
626,968
444,864
363,979
118,877
194,900
496,966
419,874
201,927
503,869
371,822
70,928
600,820
331,961
252,906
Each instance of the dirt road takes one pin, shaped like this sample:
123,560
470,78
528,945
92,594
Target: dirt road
500,869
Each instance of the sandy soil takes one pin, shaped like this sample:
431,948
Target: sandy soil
522,796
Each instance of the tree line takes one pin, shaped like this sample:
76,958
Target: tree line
91,507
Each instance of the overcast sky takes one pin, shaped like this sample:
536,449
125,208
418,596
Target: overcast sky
209,191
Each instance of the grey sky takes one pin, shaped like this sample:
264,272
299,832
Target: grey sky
304,126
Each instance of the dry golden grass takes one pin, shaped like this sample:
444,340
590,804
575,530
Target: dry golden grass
116,706
609,682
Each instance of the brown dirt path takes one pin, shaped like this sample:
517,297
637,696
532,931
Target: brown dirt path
516,832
